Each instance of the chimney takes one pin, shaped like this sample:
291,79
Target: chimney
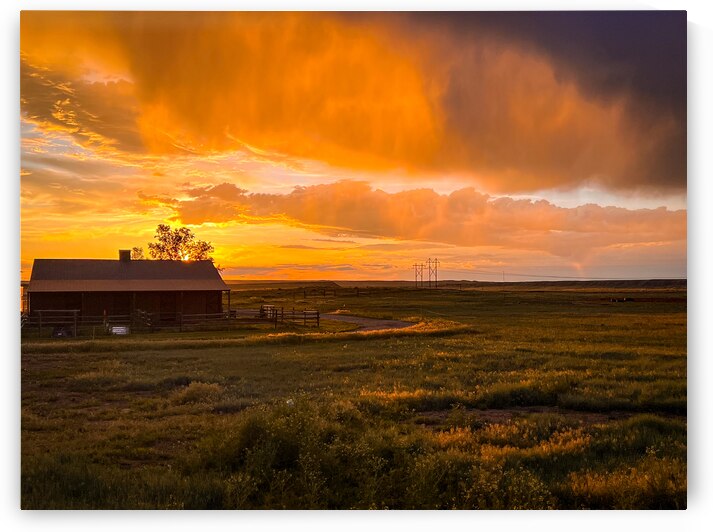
125,255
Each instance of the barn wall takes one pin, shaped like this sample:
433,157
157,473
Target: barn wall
194,303
202,302
123,303
55,301
88,303
148,301
214,302
110,303
95,303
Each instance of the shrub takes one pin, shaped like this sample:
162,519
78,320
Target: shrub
198,392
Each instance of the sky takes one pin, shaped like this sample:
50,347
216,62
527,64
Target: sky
352,145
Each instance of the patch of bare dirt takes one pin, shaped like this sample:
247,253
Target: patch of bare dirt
367,324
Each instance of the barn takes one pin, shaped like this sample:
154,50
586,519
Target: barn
164,288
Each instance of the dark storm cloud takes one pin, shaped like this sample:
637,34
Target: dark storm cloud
639,56
606,52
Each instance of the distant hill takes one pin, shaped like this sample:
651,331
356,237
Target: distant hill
282,285
619,283
462,285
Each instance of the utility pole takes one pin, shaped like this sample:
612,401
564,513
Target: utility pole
430,271
436,262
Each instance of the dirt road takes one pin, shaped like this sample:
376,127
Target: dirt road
367,324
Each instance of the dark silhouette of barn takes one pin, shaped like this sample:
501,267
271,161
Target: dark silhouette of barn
166,288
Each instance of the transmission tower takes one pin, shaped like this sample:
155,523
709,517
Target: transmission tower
418,274
432,272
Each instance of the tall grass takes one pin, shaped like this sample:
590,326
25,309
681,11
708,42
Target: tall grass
336,456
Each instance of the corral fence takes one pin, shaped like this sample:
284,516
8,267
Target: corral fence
70,323
276,314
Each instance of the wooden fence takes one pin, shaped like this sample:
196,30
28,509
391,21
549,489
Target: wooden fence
306,317
72,323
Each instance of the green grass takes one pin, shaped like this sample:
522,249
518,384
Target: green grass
495,399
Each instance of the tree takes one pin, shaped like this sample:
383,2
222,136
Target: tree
175,244
137,253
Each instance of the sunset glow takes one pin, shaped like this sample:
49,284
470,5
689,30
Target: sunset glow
348,146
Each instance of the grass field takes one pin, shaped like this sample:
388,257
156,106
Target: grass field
498,397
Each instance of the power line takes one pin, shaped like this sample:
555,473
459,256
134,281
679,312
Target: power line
538,275
431,266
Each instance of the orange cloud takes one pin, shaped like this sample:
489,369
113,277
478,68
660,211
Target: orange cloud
99,115
464,217
356,92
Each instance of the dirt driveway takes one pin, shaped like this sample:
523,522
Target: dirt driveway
367,324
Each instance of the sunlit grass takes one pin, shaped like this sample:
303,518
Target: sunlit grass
652,483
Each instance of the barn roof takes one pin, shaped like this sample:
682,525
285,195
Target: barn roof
91,275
